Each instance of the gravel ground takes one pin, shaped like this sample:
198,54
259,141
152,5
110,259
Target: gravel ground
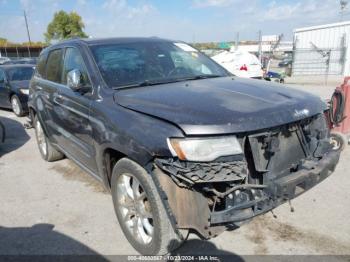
56,208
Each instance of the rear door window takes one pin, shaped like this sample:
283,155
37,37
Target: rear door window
40,67
54,66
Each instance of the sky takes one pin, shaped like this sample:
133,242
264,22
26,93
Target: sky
187,20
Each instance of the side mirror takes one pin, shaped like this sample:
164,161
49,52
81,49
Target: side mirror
75,80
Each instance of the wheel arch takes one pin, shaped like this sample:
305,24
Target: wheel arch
110,156
11,94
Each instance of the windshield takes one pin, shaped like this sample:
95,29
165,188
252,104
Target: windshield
20,73
146,63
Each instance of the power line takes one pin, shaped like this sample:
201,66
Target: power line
11,12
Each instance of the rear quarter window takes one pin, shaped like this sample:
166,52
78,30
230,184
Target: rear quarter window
54,66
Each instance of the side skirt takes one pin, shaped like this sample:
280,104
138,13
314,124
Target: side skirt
87,170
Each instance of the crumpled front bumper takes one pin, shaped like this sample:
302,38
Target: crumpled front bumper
278,191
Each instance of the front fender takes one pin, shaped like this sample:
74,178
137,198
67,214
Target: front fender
138,136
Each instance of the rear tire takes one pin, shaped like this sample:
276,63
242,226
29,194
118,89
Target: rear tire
16,106
155,234
47,151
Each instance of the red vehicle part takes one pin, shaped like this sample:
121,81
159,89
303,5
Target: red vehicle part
344,126
244,68
339,115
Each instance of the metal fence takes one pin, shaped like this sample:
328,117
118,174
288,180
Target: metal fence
20,51
318,61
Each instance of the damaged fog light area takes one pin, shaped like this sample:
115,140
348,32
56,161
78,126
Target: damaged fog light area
273,166
189,173
222,185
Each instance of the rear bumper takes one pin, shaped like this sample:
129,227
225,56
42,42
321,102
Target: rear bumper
278,191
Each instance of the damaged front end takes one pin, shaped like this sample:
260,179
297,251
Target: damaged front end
275,166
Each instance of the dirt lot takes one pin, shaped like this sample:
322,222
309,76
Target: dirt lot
55,208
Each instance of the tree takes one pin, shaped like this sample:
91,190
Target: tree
3,41
33,44
65,25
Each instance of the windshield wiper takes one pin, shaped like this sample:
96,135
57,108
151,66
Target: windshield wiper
144,83
153,83
148,83
200,77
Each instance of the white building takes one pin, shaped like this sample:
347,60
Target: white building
323,49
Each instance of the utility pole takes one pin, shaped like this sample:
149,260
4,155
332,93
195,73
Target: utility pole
237,41
260,46
30,42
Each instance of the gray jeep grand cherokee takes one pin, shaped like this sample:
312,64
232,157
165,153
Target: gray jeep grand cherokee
181,144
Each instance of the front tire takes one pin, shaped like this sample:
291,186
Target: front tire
47,151
140,210
16,106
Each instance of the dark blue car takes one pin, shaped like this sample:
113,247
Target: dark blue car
14,84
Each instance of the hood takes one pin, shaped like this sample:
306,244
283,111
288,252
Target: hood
222,105
24,84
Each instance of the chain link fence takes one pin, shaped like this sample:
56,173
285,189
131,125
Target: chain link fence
318,61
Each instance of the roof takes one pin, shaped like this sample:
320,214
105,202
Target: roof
16,66
284,46
310,28
114,40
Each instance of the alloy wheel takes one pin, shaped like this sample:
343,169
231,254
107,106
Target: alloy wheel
41,138
15,106
135,208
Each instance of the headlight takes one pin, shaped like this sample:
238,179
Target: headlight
24,91
204,149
